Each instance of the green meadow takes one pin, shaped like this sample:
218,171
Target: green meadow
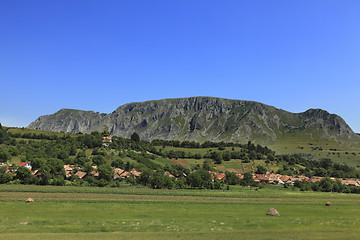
143,213
339,152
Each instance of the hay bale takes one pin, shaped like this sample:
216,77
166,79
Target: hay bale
328,204
273,212
29,200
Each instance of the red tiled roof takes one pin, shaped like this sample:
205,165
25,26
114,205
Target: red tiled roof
69,167
80,174
125,174
118,171
107,139
22,164
169,174
240,176
9,171
220,176
95,173
135,173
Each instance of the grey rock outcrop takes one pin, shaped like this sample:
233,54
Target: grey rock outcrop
201,119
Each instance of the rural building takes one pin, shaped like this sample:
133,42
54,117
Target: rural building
169,174
26,165
80,174
107,140
117,173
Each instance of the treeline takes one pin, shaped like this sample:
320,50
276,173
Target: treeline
326,185
29,135
193,144
206,144
323,168
247,152
201,179
48,153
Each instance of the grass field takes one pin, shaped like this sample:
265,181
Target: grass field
142,213
349,154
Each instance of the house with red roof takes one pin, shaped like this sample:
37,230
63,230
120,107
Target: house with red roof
80,174
240,176
169,174
125,174
117,173
135,173
107,140
221,176
26,165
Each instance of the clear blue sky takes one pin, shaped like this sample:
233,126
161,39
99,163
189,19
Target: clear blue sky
98,55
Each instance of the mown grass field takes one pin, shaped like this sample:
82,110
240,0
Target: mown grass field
349,154
143,213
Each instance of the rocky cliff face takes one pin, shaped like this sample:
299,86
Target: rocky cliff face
200,119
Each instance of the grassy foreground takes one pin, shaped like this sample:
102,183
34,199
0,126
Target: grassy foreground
141,213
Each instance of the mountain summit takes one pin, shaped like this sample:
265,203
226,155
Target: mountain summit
201,119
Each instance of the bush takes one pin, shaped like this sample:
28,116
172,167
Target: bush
4,155
5,177
99,160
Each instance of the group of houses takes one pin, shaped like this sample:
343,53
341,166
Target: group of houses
118,172
273,178
12,169
268,178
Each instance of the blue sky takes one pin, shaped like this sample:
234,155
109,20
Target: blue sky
98,55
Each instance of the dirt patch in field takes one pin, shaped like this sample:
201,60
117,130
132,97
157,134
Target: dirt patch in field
181,162
224,169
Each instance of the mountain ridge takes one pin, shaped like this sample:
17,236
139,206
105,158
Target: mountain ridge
201,119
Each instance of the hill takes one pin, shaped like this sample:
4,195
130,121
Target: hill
203,119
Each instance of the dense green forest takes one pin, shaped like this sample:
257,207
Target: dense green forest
48,152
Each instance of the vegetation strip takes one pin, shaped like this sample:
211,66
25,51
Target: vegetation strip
97,159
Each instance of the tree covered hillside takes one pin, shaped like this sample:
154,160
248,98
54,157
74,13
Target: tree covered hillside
96,159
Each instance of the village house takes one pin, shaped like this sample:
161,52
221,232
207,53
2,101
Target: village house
240,176
260,178
80,174
68,170
183,175
36,173
95,173
106,141
216,175
26,165
125,174
285,179
8,170
315,179
268,178
221,176
117,173
351,182
135,173
169,174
